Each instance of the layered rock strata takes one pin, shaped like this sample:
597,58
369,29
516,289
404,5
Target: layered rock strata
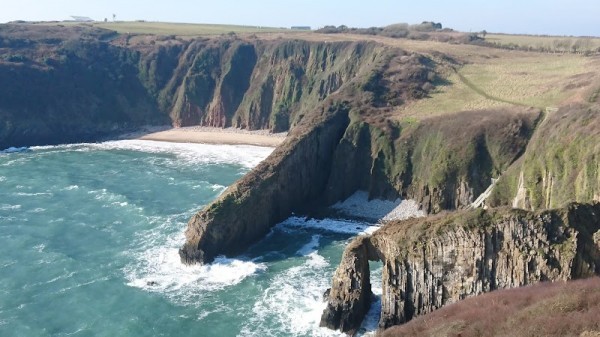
428,263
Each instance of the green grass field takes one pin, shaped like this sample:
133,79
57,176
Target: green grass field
536,81
179,29
546,43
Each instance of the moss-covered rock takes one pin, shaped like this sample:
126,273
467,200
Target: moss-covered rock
561,164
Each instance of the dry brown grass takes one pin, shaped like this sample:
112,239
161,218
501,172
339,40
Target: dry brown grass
170,28
547,309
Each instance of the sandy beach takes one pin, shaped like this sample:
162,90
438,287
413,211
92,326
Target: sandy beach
208,135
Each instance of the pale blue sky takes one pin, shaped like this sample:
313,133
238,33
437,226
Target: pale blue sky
560,17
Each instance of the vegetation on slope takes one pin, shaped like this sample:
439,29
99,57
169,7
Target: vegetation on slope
561,309
561,164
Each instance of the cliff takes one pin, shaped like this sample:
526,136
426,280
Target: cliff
561,164
346,144
68,85
432,262
73,84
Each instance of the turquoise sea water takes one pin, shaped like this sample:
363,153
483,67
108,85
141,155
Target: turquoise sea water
89,235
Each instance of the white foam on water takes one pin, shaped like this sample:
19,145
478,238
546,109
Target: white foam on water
359,205
217,187
162,271
329,225
310,247
9,207
293,301
2,179
23,194
71,188
245,155
38,210
157,267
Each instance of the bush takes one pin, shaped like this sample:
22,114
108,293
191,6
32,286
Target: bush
547,309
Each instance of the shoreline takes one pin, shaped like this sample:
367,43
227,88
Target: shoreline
212,135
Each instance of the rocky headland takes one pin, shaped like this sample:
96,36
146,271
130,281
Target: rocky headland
351,107
435,261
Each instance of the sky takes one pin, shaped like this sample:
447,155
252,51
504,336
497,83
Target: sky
552,17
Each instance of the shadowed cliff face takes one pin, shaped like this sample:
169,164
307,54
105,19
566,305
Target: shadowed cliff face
68,86
262,85
267,195
74,84
429,263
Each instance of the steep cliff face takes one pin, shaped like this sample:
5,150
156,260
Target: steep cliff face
431,262
262,84
442,163
277,187
561,164
294,178
60,85
69,84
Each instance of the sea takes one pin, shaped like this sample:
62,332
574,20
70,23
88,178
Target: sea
89,239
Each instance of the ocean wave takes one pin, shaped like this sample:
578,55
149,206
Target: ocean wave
293,302
36,194
9,207
310,247
329,225
245,155
2,179
37,210
160,270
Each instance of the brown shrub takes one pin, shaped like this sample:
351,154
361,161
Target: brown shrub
547,309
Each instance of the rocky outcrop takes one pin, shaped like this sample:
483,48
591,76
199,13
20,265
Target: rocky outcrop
277,187
431,262
349,299
295,177
443,163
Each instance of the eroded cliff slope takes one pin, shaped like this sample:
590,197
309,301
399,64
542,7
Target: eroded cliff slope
347,144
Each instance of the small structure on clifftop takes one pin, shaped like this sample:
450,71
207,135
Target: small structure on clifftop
82,18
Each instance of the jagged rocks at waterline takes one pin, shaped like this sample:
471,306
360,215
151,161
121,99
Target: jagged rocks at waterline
431,262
